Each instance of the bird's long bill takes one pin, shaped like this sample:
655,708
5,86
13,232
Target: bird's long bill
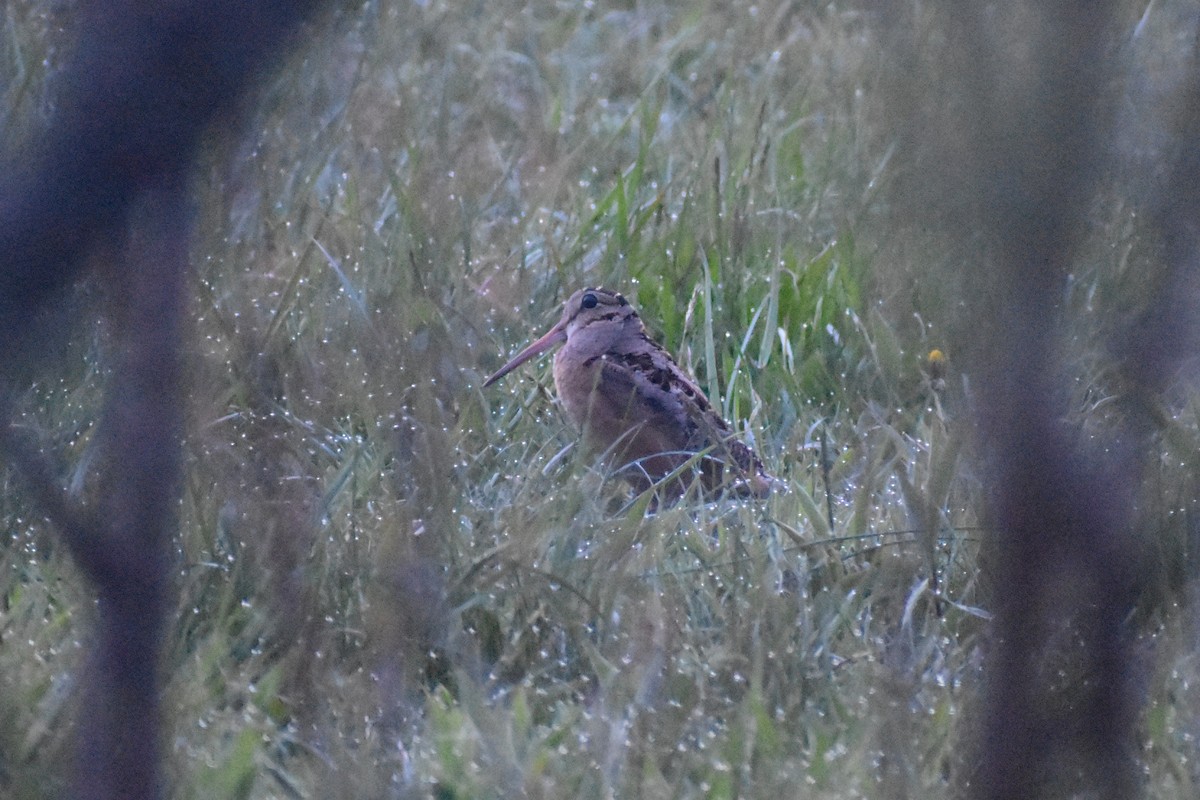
555,335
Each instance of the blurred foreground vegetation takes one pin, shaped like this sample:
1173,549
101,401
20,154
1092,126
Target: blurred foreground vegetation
393,583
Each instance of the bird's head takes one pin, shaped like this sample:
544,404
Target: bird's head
588,312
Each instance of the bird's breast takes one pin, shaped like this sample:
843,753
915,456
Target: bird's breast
576,379
616,406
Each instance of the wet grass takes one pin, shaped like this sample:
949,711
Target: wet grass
395,583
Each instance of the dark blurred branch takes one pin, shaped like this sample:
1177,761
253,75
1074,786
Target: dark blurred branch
1010,131
109,175
1034,142
140,477
147,80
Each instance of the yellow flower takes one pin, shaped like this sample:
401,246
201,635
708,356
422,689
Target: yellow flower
935,364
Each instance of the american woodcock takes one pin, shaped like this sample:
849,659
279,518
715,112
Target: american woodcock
634,405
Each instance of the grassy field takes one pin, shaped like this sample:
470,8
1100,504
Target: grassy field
393,583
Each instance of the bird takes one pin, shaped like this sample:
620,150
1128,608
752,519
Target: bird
635,407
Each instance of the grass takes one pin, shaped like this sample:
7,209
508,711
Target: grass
394,583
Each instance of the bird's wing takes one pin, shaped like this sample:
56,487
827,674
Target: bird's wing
659,377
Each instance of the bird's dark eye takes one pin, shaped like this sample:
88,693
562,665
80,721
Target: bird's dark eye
589,300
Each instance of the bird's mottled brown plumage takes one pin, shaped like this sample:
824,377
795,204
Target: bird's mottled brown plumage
633,404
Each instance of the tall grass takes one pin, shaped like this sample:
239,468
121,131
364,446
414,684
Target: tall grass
411,199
